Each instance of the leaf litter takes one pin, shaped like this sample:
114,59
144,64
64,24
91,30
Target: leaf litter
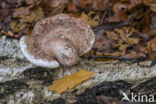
123,28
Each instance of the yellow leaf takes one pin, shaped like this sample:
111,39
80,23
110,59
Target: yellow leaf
13,24
35,14
123,47
9,33
126,38
70,81
84,17
91,21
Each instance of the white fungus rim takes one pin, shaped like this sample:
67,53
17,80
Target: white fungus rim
33,60
91,42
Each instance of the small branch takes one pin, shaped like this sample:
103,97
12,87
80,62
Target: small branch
110,26
118,58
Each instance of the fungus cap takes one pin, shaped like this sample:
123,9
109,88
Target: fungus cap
34,57
73,30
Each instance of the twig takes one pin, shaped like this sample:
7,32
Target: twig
110,26
118,58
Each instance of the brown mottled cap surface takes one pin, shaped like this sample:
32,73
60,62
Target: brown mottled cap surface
64,26
75,31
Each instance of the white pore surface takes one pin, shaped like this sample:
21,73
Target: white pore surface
35,61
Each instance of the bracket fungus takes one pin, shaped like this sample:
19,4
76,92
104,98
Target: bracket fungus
57,39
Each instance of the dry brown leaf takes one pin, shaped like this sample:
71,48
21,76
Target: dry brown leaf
9,33
22,11
35,15
119,10
32,2
25,20
115,54
13,24
84,17
152,44
111,35
87,4
116,41
102,4
153,23
126,38
72,6
123,47
99,5
103,45
151,3
145,24
53,3
91,21
151,53
153,7
134,54
70,81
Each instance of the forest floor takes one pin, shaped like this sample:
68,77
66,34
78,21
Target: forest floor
122,58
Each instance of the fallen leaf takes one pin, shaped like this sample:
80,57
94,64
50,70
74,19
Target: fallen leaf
153,21
152,44
125,37
134,54
85,4
115,41
103,45
115,54
119,10
70,81
99,5
35,14
72,6
102,4
9,33
23,11
32,2
53,3
92,21
151,3
123,47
